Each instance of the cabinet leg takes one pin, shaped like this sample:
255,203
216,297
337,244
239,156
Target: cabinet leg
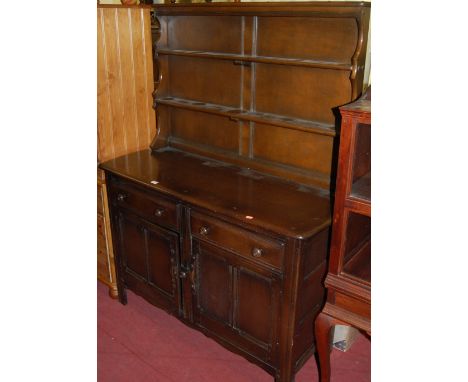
122,293
113,291
323,325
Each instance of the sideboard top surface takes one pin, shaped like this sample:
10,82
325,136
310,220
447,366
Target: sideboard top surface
258,200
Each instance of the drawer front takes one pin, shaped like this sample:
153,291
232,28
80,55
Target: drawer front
247,244
154,208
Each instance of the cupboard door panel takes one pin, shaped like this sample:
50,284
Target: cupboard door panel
235,303
256,306
162,263
214,286
132,242
149,260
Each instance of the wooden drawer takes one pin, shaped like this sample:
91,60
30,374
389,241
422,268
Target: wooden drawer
154,208
247,244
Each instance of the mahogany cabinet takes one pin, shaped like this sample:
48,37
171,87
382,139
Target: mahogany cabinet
348,280
224,221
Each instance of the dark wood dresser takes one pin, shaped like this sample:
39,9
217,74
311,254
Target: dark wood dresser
349,277
224,221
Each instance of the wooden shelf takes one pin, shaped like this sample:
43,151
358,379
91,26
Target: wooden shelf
361,189
359,206
238,114
358,265
259,59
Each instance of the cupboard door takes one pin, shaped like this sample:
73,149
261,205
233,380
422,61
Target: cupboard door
132,245
235,301
149,260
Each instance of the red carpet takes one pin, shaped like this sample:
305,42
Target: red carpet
140,343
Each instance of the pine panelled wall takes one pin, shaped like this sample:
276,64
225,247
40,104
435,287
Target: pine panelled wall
126,120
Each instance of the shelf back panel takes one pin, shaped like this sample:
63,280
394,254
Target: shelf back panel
324,39
306,93
205,80
222,34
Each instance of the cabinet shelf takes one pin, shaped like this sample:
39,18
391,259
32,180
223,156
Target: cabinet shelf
361,188
259,117
259,59
358,265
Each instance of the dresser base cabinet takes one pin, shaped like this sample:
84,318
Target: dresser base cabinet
256,291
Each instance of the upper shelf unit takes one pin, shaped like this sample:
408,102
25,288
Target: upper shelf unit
270,79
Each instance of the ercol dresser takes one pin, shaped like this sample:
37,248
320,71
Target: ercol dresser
224,221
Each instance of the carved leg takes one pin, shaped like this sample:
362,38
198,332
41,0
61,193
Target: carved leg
323,325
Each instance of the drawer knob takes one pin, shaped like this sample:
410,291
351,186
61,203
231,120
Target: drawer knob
121,197
204,231
159,212
257,252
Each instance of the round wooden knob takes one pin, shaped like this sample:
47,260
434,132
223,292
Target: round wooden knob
257,252
121,197
159,212
204,231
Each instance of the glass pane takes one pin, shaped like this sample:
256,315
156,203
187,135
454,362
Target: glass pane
357,255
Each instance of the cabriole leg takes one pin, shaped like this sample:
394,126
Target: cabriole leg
323,325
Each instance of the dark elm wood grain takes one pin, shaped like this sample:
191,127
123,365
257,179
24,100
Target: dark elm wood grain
225,220
238,193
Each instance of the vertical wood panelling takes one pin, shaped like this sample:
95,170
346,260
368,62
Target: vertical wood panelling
104,114
126,120
126,70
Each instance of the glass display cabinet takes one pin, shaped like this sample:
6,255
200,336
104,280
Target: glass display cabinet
348,281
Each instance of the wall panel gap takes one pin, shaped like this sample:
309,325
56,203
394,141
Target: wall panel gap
119,63
132,62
